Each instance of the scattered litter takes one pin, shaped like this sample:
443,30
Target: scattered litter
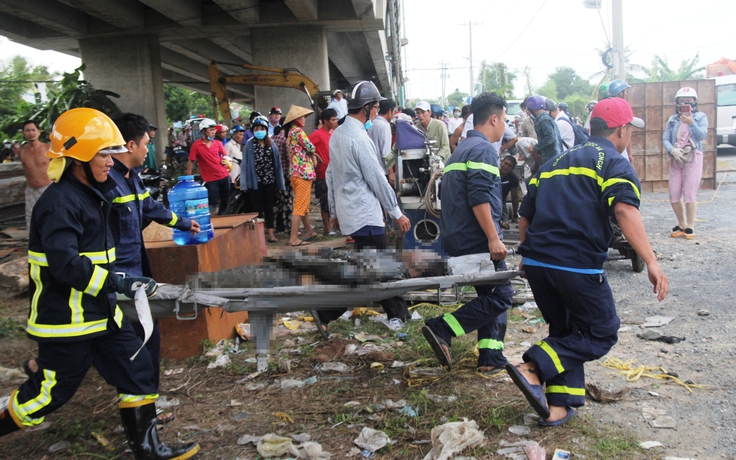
241,416
249,360
390,404
310,380
624,329
604,396
400,363
223,428
537,321
365,337
372,440
649,335
353,452
531,419
520,430
441,399
248,377
313,451
301,437
165,403
515,450
703,313
255,386
169,372
377,366
394,324
535,452
101,439
292,325
651,412
656,321
561,455
247,439
273,445
350,349
525,344
663,422
367,453
334,367
528,306
289,384
409,411
351,404
452,438
654,372
402,336
529,329
59,446
284,365
650,444
217,350
284,417
415,316
243,330
221,361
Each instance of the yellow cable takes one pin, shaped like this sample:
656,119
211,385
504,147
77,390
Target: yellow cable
653,372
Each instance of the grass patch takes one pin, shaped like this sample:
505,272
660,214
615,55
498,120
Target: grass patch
9,327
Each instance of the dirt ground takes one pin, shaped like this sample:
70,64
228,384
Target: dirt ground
215,410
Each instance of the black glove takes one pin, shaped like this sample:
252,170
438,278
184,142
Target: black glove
127,285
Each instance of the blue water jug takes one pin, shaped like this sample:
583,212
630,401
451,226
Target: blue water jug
189,199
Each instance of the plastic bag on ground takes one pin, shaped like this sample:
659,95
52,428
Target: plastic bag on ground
452,438
273,445
372,440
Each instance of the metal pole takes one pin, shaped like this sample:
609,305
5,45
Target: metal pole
470,34
619,65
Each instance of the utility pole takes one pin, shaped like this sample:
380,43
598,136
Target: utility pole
619,65
470,58
443,75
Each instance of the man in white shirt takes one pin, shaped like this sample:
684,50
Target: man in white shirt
339,104
380,132
564,124
455,121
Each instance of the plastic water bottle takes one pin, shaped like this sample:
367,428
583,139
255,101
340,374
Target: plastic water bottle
189,199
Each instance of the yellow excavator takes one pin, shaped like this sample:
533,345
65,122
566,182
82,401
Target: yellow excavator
282,78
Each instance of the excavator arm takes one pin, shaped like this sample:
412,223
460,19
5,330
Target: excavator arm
282,78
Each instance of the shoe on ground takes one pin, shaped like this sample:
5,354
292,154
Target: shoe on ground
677,232
332,233
689,234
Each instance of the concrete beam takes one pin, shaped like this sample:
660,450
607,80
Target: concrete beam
22,30
119,13
377,46
204,52
244,11
348,52
304,10
173,77
239,46
185,12
49,14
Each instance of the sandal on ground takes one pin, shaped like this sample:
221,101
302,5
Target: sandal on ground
489,370
570,414
533,393
689,234
677,232
440,348
321,327
164,418
272,240
301,243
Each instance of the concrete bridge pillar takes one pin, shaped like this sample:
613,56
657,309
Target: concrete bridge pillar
131,67
300,47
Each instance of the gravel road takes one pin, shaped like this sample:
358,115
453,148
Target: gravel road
702,275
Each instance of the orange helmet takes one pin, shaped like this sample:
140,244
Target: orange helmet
83,133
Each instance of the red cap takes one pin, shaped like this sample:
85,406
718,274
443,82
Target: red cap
612,113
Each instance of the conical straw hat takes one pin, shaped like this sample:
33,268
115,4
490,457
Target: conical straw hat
295,112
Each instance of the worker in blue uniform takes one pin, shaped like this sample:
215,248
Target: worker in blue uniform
564,231
471,224
74,315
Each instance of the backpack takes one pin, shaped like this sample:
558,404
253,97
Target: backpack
581,135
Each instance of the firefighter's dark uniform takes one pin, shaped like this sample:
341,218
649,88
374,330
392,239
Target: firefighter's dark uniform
569,204
470,178
133,208
74,316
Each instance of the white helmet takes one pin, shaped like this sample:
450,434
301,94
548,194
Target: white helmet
205,123
686,92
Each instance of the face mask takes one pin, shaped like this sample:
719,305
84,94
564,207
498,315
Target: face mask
210,138
368,125
260,135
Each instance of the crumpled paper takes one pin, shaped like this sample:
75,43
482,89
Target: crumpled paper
273,445
371,439
452,438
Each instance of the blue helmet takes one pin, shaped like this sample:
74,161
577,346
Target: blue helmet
535,102
237,129
616,86
562,106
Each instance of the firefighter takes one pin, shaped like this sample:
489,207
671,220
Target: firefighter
73,313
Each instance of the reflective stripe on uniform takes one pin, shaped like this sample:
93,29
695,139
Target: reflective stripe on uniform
35,274
174,220
118,318
96,282
37,258
24,411
66,330
471,165
561,389
457,329
580,171
75,304
100,257
127,401
490,344
552,355
131,197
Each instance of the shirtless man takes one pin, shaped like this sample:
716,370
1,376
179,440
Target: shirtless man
35,163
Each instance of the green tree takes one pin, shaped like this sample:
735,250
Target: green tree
182,103
16,78
497,78
568,82
456,98
688,70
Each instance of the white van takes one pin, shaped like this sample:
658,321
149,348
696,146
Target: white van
725,112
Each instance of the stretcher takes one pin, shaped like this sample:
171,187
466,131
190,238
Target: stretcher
263,304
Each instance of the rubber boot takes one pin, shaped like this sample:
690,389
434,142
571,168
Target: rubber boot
140,429
7,424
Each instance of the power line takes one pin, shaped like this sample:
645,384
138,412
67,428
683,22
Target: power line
522,31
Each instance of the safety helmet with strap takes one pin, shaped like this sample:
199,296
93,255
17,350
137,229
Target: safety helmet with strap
260,121
205,123
686,91
535,102
616,87
364,92
603,90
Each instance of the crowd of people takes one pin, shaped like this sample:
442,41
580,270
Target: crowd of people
84,187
